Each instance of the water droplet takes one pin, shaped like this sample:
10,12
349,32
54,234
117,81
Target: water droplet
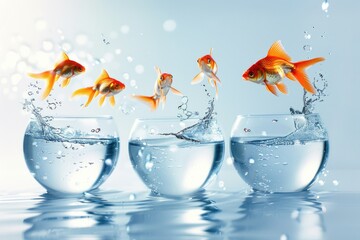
44,158
45,177
129,59
283,237
126,76
133,83
118,51
284,163
81,39
221,184
108,162
275,120
295,214
184,99
37,166
307,48
24,51
335,182
126,108
132,197
152,131
307,35
52,106
69,132
139,69
66,46
125,29
35,144
47,45
251,161
169,25
246,173
325,6
247,130
59,152
321,182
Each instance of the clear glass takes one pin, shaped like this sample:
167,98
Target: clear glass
171,165
279,153
71,155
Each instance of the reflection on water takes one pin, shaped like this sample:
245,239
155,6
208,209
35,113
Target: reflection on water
208,215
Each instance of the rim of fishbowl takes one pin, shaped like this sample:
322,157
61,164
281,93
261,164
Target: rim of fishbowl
106,117
165,119
275,115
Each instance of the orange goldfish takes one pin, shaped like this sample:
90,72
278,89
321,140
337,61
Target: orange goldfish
104,85
161,89
65,68
276,66
209,68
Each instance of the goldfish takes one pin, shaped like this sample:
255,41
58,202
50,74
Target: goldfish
65,68
162,86
276,66
104,85
209,68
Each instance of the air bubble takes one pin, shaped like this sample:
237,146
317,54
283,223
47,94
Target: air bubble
169,25
126,108
37,166
125,29
44,158
132,197
221,184
66,46
69,132
81,39
307,35
275,120
247,130
47,45
251,161
126,76
108,162
129,59
139,69
133,83
321,182
44,177
118,51
335,182
295,214
149,165
307,48
325,6
283,237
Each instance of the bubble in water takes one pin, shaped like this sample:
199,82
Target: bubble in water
118,51
295,214
247,130
263,133
307,35
47,45
184,99
129,59
133,83
125,29
321,182
126,108
169,25
251,161
126,76
246,173
284,163
149,165
81,39
45,177
221,184
37,166
335,182
108,162
132,197
66,46
139,69
52,106
283,237
325,6
44,158
307,48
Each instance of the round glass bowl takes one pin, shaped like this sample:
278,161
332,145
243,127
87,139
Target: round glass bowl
71,155
279,153
176,158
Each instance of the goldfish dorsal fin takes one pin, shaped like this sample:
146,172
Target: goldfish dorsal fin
63,57
102,76
211,49
277,50
157,70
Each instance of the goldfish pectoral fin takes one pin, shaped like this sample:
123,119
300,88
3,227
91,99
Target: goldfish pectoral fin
65,82
175,91
277,50
271,88
215,68
215,78
112,100
290,76
282,87
198,78
150,100
101,100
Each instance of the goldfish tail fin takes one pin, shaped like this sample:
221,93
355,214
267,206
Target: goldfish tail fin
300,75
198,78
89,91
270,88
50,77
112,101
150,100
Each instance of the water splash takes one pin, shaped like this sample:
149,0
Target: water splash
325,6
310,100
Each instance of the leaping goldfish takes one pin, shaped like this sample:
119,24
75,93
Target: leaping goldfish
162,86
276,66
104,85
209,68
65,68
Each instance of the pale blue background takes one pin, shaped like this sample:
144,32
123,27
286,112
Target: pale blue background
240,33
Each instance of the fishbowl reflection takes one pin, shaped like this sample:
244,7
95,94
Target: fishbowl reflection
280,216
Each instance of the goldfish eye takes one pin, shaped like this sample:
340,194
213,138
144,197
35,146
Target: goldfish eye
209,60
161,78
251,74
